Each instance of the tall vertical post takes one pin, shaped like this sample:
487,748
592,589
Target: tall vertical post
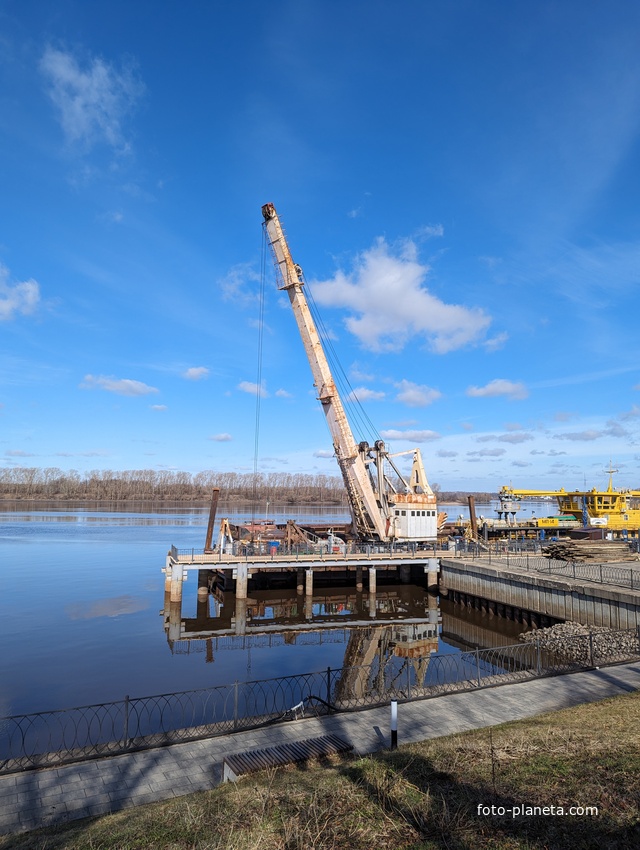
309,583
212,518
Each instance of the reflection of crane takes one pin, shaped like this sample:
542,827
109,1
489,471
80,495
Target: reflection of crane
380,510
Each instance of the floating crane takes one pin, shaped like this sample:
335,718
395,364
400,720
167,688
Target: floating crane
381,510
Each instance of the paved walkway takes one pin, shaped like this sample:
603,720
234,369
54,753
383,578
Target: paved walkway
55,795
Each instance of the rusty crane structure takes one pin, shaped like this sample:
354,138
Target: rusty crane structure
384,508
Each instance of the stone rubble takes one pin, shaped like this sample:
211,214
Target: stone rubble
572,642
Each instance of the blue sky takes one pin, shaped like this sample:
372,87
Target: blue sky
458,180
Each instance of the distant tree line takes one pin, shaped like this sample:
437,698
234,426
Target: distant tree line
106,485
153,485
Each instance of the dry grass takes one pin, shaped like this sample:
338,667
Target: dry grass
420,797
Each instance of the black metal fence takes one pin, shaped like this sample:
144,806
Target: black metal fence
529,559
57,737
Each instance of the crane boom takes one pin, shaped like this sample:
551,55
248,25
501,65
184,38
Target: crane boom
378,511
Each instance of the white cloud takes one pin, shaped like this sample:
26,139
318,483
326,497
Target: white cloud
416,395
324,453
239,283
410,436
159,407
93,100
364,394
498,387
515,437
221,438
283,394
252,389
580,436
488,453
630,414
445,453
497,342
17,298
390,303
121,386
431,231
196,373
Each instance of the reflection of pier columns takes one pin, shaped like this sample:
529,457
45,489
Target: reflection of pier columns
432,601
241,581
404,572
174,632
308,607
372,604
241,615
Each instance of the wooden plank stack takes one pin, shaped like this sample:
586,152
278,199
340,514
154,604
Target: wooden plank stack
602,551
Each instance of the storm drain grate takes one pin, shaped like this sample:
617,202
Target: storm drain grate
236,765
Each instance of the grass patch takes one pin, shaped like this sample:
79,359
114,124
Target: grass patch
419,797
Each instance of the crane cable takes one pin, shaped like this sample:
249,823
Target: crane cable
256,443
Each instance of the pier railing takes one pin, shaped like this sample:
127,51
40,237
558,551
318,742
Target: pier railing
526,559
318,551
50,738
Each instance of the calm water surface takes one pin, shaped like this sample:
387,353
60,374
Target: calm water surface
82,604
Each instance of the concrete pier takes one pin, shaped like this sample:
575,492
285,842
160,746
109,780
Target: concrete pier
587,602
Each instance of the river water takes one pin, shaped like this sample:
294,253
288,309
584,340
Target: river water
82,602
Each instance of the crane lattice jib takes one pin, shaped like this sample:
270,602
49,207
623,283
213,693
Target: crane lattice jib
367,517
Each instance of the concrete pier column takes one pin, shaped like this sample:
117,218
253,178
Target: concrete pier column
359,579
241,581
175,587
404,573
433,571
372,580
308,585
241,615
300,581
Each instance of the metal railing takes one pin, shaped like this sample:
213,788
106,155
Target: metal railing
531,560
57,737
320,551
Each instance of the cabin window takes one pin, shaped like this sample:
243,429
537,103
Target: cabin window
404,513
413,513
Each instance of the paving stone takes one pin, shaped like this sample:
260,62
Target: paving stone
48,796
